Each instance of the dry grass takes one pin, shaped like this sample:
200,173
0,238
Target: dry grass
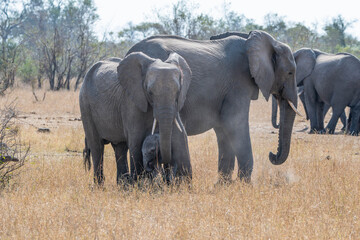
314,195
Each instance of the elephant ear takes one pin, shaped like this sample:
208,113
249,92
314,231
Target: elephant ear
131,73
175,58
305,59
261,51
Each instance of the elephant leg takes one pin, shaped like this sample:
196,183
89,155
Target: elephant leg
239,138
302,98
348,123
241,142
136,166
121,162
320,111
97,153
235,133
355,118
337,111
226,162
343,121
181,156
96,146
311,105
325,110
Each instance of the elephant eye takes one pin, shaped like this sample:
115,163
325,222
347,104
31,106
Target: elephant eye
290,73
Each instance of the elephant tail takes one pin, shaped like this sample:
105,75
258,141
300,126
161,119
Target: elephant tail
86,156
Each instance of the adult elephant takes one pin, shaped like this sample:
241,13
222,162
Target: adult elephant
120,103
227,75
332,79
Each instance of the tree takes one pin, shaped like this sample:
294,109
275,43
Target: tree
11,20
62,40
335,32
181,21
275,25
298,36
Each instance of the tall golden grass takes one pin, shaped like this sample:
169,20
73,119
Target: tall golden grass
314,195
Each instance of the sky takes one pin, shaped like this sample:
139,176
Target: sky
116,14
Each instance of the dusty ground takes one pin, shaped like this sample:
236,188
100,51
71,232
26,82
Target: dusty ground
314,195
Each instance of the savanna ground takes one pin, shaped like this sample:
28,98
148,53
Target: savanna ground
315,194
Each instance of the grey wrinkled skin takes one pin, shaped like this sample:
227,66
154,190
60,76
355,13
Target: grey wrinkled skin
119,101
332,79
227,74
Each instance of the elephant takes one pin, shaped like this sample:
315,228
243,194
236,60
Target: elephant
227,74
152,159
151,153
121,103
332,79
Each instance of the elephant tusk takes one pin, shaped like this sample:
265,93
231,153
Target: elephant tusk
300,92
153,127
178,125
294,108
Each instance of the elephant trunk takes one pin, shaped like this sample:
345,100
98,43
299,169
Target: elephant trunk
165,128
274,112
287,118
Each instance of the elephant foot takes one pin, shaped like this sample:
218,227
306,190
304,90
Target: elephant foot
354,133
125,180
317,131
312,131
329,131
183,181
224,181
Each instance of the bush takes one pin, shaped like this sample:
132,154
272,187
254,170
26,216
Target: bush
12,152
28,71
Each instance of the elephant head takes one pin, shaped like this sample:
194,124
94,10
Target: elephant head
273,68
152,159
163,85
305,59
151,153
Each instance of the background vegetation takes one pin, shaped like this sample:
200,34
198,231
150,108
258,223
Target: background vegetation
54,41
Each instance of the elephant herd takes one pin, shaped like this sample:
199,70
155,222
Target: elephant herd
168,88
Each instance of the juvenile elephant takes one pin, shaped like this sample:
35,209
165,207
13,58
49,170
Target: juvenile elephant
121,102
227,75
328,79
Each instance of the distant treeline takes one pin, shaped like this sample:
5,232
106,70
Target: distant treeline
54,40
